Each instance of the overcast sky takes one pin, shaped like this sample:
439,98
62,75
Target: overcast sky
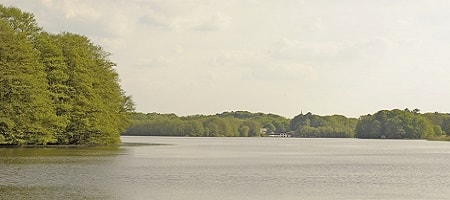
350,57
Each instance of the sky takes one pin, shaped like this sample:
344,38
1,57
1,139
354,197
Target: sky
348,57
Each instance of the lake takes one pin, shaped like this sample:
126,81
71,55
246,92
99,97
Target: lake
165,168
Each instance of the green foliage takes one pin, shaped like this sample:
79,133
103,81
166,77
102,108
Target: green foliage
389,124
56,89
23,91
254,127
240,114
441,121
243,131
228,124
310,125
271,122
21,23
397,124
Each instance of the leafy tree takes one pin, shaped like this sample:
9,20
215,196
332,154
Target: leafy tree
310,125
198,125
58,89
26,117
55,67
243,131
396,124
441,122
254,128
269,126
20,22
194,128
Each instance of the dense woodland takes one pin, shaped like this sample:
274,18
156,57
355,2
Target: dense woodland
397,124
389,124
231,124
335,126
56,88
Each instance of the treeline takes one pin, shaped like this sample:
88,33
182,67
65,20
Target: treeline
389,124
397,124
56,88
230,124
241,124
335,126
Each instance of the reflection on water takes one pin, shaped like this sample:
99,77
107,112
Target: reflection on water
54,173
230,168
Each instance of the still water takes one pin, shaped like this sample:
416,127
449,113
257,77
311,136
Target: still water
165,168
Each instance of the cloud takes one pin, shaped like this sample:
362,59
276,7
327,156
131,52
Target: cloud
218,21
284,72
258,65
333,51
185,17
238,59
154,19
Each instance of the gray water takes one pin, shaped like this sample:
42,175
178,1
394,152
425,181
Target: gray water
230,168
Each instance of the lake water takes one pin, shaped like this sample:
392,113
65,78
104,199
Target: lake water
165,168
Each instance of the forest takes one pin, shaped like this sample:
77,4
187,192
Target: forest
56,88
335,126
388,124
398,124
230,124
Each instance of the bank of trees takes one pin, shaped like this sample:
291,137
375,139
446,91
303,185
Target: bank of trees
241,124
441,120
389,124
229,124
398,124
335,126
56,88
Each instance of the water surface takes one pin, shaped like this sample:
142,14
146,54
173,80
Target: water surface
230,168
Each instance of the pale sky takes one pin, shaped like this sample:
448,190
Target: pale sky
349,57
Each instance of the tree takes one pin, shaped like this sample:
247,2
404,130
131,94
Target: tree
243,131
254,128
58,89
198,125
396,124
270,127
20,22
213,128
55,67
98,105
26,116
195,128
441,120
311,125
